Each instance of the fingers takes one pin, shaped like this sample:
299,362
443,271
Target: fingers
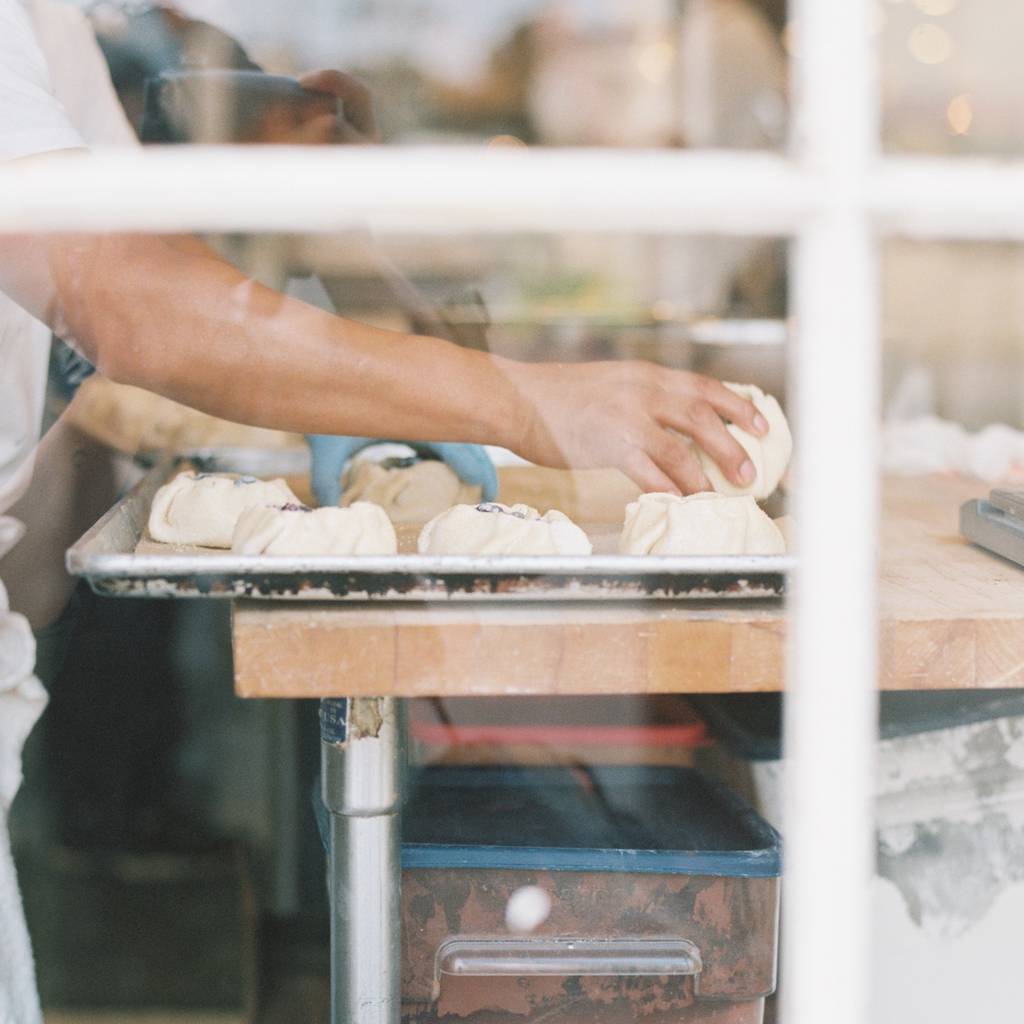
350,136
701,422
317,131
357,103
676,458
325,129
641,469
733,407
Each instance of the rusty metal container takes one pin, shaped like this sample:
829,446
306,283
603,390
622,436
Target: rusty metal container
657,901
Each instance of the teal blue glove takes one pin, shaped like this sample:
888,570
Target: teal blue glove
470,463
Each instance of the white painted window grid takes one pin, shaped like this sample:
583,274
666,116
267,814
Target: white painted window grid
836,198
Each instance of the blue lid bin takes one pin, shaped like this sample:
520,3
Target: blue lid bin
654,895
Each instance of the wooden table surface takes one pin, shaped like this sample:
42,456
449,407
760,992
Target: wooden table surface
951,616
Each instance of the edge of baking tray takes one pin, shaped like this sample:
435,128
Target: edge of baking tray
420,578
121,572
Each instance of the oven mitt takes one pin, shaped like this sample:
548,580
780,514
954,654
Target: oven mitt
470,463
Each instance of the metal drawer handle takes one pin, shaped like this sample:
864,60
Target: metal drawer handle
565,957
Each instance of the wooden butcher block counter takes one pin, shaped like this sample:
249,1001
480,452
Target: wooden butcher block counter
952,616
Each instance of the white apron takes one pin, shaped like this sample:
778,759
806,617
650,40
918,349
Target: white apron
24,349
22,699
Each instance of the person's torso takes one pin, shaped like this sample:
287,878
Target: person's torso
24,356
79,80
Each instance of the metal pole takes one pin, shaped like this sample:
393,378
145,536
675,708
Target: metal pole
362,743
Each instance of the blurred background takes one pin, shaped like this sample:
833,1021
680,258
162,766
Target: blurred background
145,753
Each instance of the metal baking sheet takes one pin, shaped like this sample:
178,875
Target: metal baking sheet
107,557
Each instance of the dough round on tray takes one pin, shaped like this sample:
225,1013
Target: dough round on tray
786,525
409,490
495,529
770,454
701,524
202,509
294,529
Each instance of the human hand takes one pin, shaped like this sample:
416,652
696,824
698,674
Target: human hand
629,415
469,462
355,122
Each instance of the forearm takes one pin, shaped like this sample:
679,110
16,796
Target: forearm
179,321
172,319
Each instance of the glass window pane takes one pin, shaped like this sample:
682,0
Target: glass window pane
697,73
950,76
954,323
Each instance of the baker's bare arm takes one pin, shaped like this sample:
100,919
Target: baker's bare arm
177,320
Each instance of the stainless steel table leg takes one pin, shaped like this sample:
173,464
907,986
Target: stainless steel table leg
362,743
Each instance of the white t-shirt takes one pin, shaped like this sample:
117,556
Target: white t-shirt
78,73
32,121
55,93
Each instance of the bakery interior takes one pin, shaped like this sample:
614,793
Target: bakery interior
592,785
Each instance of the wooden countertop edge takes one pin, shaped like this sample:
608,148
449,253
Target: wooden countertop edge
294,654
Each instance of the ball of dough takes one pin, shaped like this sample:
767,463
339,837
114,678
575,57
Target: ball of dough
769,454
701,524
411,491
293,529
495,529
202,508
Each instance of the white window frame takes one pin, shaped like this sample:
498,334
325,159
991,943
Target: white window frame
836,198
